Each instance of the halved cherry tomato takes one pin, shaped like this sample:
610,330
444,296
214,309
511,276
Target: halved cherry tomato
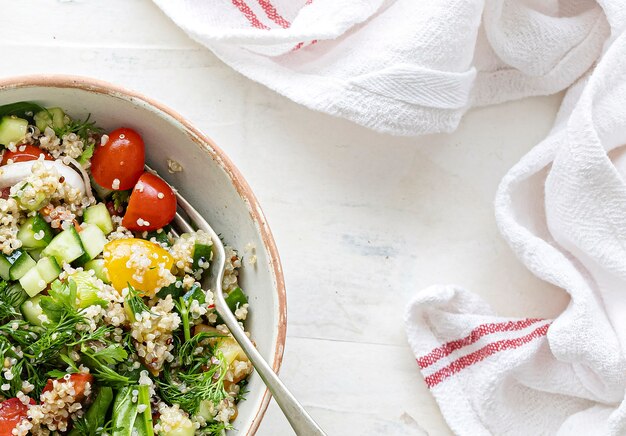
119,162
80,381
152,204
138,262
25,153
12,412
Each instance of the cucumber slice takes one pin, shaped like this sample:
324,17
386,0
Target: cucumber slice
86,290
37,278
29,203
32,282
97,266
35,232
102,192
53,117
204,410
12,129
93,241
35,254
48,269
100,216
5,265
14,294
65,247
32,311
21,263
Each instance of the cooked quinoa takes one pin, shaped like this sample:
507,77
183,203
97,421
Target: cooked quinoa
106,326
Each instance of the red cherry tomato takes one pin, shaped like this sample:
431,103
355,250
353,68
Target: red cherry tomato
12,412
80,381
152,204
25,153
118,163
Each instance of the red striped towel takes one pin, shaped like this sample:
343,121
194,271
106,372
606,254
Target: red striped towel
562,209
400,66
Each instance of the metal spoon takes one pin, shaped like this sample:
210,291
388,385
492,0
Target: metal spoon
300,420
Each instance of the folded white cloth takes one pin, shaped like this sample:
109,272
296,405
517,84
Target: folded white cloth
410,67
562,209
400,66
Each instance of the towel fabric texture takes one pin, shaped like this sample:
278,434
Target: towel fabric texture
412,67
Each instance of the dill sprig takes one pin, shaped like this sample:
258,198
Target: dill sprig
120,199
22,335
214,429
82,128
189,389
187,351
135,302
243,391
53,339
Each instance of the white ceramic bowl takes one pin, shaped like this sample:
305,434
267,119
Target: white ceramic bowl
209,181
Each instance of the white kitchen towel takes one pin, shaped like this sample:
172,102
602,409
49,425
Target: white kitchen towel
401,66
562,209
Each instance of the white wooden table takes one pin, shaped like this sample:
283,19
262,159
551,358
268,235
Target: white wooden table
362,220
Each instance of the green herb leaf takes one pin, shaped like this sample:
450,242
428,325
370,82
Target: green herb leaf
56,374
82,128
135,302
22,109
201,386
87,153
120,199
110,355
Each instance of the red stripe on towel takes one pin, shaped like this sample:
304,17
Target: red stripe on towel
273,14
299,45
249,14
480,331
506,344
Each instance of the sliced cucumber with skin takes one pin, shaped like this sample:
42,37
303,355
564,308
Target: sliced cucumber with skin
86,290
48,268
32,282
204,410
36,279
35,254
29,203
53,117
97,266
100,216
65,247
32,311
14,294
30,232
12,130
14,266
5,265
102,192
93,241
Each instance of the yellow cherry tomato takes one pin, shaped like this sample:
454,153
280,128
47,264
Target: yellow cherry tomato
142,264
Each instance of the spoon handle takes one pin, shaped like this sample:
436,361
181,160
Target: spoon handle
300,420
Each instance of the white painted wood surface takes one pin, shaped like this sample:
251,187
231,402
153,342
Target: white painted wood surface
362,220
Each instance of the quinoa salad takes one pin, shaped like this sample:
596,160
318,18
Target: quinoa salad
105,327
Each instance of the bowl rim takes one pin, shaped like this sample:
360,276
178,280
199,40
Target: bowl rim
217,154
